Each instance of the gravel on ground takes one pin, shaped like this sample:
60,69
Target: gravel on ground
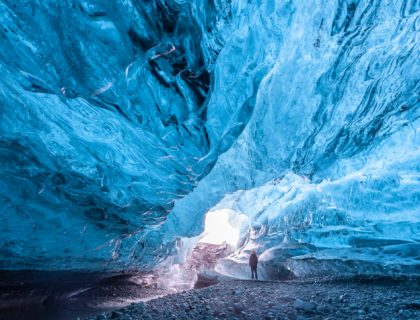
241,299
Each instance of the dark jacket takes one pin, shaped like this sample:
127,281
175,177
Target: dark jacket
253,260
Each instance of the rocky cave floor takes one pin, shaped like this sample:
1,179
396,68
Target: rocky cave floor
95,296
239,299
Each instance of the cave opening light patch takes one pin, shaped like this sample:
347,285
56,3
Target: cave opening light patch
223,226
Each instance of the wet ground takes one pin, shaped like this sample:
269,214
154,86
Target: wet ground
40,295
131,295
355,298
65,295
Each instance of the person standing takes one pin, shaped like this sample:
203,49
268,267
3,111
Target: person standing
253,263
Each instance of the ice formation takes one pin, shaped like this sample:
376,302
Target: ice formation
123,122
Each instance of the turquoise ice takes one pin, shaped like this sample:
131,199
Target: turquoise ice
123,122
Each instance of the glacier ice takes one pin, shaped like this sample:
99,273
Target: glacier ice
122,123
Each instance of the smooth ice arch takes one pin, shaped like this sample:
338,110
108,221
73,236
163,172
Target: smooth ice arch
123,122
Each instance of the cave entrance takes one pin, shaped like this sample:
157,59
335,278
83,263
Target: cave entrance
223,227
201,254
222,230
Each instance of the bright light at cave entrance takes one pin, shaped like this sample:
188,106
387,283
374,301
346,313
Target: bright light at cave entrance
223,226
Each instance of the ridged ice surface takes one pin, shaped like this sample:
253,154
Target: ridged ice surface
123,122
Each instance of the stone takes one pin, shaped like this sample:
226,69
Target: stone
303,305
116,315
238,307
405,313
141,306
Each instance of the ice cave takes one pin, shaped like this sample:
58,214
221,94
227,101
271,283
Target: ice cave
163,141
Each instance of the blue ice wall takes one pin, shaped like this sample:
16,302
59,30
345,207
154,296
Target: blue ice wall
328,165
123,122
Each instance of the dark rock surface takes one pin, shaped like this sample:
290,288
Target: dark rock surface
344,299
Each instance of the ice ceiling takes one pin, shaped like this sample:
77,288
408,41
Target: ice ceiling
123,122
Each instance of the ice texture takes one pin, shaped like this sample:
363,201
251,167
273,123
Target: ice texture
123,122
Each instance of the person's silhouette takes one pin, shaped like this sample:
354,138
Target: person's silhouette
253,263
